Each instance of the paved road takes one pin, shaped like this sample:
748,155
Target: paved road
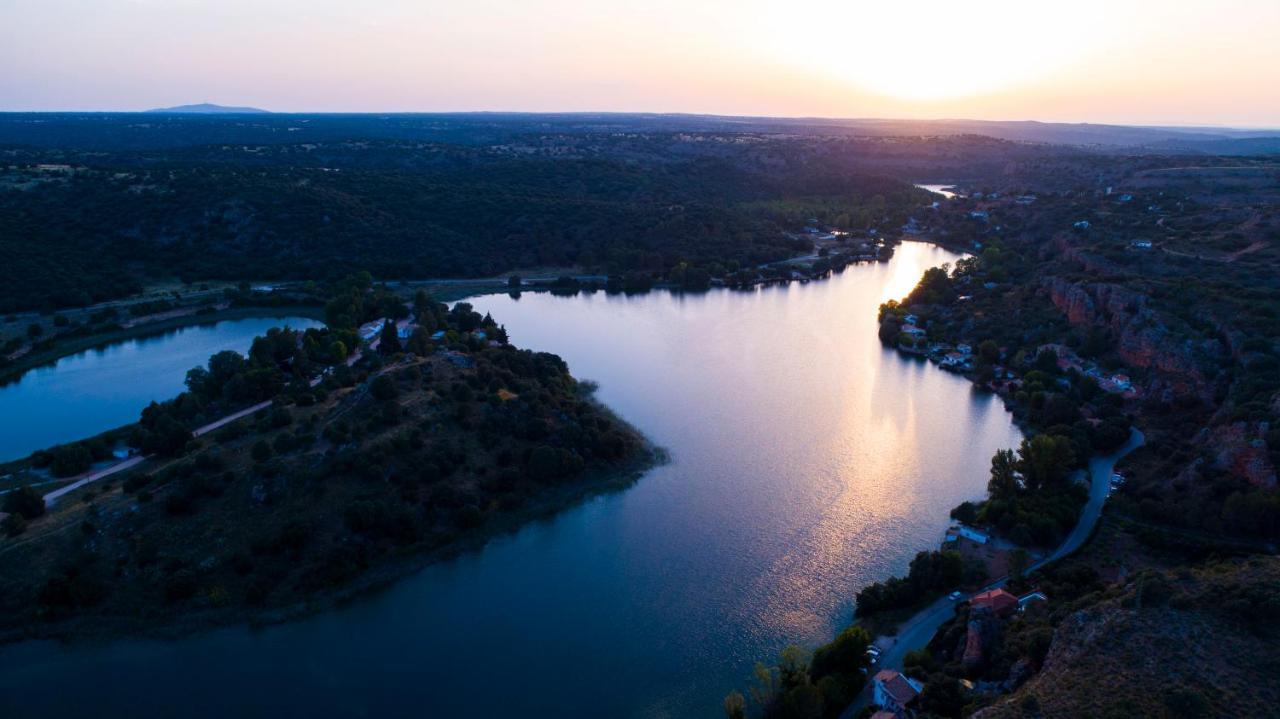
917,631
94,476
91,477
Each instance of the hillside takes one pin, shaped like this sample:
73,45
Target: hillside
84,227
206,108
385,466
1194,642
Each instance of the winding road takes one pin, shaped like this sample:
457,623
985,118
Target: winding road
95,475
917,631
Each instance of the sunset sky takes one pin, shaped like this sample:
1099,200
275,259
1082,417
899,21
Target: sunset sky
1121,61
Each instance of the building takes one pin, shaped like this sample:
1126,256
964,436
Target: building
895,692
1081,225
912,331
998,601
959,530
1026,599
963,348
369,330
1141,244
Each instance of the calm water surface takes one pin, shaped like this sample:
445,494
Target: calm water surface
101,389
807,461
939,189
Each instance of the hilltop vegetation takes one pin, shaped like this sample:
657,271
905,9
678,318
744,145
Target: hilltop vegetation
84,227
409,454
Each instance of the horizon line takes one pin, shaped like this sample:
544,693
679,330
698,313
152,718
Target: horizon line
252,110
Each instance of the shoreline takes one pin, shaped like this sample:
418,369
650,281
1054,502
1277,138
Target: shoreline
406,562
75,345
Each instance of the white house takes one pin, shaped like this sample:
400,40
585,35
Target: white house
894,691
1141,244
1026,599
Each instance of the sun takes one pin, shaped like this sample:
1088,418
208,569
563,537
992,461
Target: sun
930,51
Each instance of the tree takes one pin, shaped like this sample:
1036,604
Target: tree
1045,460
389,339
419,342
1004,475
70,460
989,351
846,654
25,502
1019,560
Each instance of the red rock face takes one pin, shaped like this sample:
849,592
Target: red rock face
1242,452
1142,338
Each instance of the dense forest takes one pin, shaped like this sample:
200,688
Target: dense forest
363,467
87,226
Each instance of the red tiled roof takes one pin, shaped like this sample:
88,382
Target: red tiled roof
896,686
997,600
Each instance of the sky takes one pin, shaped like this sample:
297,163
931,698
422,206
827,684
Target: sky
1176,62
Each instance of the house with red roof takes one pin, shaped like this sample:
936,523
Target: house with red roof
894,692
997,601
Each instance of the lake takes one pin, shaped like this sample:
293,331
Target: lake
84,394
947,191
807,461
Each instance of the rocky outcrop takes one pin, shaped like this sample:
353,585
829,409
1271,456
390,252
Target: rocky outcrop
1241,449
1143,338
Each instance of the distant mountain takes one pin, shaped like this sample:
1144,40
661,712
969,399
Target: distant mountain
206,108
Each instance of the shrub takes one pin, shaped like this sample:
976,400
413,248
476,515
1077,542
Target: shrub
24,501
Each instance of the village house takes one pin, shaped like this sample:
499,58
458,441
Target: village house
369,330
1081,225
963,348
954,360
997,601
968,533
1030,598
912,331
895,692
